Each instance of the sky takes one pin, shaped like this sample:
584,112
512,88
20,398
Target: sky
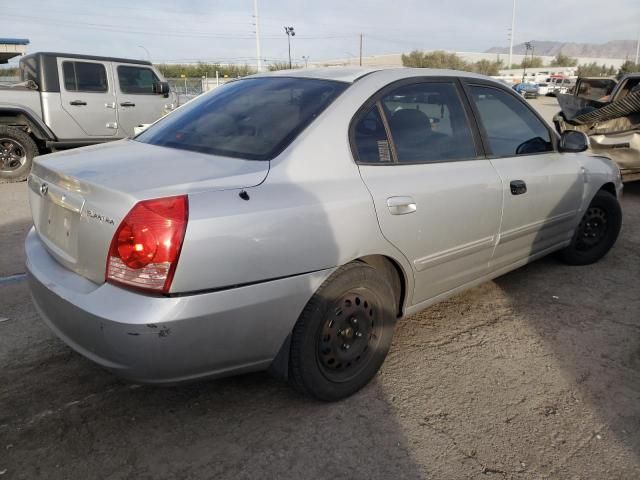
222,31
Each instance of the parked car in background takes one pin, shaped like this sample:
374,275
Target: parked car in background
67,100
219,241
560,85
527,90
543,88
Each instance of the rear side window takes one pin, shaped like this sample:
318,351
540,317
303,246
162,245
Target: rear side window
85,77
136,80
370,138
428,123
511,127
254,119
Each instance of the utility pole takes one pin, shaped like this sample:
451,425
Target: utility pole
513,26
290,33
361,50
258,56
638,50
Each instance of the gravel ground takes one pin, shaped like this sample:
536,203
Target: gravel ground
534,375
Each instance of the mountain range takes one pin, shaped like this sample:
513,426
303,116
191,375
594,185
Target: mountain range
612,49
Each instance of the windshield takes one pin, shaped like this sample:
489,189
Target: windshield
254,119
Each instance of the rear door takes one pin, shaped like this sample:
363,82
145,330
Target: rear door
136,98
437,199
88,95
542,188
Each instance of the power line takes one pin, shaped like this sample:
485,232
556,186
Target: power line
170,33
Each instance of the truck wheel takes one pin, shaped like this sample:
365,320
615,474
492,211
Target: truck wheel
597,231
17,150
343,334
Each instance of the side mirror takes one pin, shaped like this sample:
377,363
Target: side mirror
573,141
161,88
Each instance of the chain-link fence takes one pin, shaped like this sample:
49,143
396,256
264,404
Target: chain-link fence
188,88
9,80
185,88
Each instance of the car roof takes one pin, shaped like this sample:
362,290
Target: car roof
351,75
41,55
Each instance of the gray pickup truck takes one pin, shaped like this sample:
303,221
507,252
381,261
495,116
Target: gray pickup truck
66,101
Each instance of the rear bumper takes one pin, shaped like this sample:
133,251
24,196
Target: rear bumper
151,339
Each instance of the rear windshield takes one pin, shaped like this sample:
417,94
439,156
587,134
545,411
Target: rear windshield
595,88
254,119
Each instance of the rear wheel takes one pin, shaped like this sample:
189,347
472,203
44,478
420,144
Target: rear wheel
344,333
17,150
597,232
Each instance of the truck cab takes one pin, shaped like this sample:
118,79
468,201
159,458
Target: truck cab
67,100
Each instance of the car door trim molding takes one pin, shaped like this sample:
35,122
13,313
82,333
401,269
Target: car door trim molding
534,227
454,253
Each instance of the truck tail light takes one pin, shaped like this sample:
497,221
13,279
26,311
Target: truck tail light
145,248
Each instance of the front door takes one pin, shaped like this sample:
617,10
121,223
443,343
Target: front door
88,95
137,101
542,188
437,199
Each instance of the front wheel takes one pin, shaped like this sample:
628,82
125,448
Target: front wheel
597,232
17,150
343,334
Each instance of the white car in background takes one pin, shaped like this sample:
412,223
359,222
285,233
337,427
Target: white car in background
543,88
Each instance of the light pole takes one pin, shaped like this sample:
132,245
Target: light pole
148,54
528,47
306,60
638,50
290,33
513,26
258,55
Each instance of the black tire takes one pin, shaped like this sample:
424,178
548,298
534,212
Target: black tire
597,232
17,150
343,334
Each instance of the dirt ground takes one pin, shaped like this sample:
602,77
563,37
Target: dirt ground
535,375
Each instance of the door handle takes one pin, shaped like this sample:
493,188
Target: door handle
518,187
127,104
77,103
401,205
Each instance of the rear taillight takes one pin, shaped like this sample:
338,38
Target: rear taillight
145,248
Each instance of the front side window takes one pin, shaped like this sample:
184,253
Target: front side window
137,80
511,127
85,77
254,119
428,123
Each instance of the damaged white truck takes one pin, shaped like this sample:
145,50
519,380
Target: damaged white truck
608,111
65,101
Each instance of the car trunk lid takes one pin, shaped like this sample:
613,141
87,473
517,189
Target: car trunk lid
78,198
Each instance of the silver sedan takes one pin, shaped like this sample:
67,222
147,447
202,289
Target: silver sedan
287,221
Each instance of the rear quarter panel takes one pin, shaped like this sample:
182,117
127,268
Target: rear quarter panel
312,212
21,97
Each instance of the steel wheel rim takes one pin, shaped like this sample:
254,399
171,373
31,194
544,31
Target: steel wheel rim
13,155
592,229
349,335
